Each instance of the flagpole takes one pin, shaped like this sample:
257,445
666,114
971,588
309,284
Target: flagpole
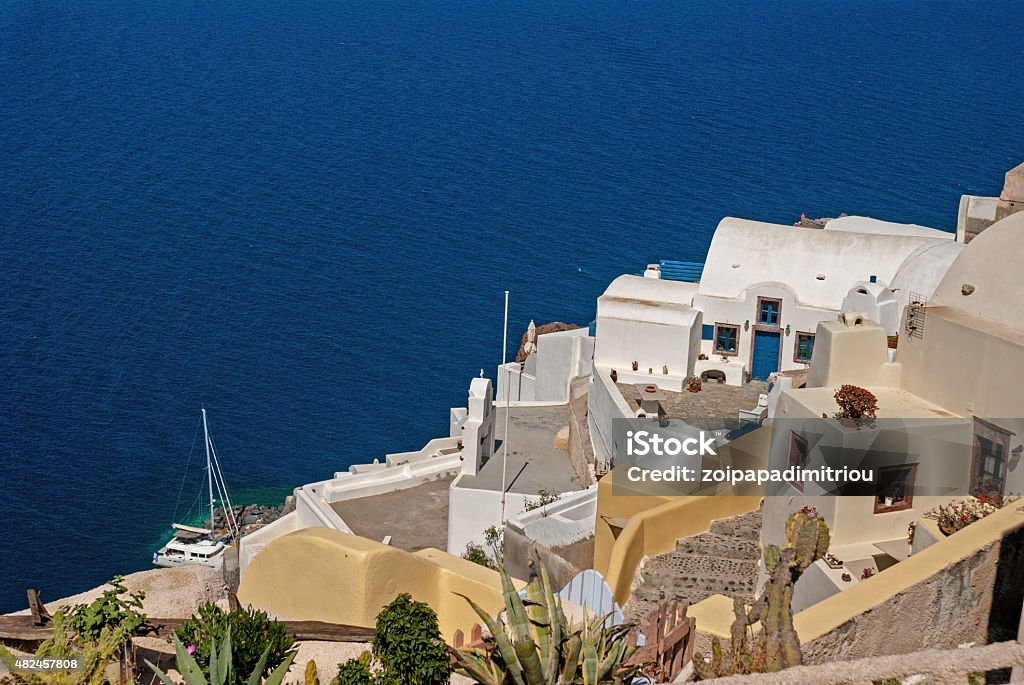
508,386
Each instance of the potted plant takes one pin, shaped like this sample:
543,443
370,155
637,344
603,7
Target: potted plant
856,404
959,514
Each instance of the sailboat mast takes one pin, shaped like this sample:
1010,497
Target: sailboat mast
209,468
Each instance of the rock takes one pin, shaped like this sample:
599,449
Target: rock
170,592
562,439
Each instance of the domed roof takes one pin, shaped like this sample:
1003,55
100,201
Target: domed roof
984,281
818,266
921,272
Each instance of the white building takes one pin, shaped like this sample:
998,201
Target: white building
648,327
762,292
546,374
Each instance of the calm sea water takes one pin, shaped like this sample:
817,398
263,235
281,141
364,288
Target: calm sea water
303,214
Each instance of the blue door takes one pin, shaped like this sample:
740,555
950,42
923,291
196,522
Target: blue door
766,355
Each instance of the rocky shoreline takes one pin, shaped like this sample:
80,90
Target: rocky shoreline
251,517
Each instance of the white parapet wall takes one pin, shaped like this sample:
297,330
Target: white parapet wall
604,403
545,376
564,522
472,511
438,458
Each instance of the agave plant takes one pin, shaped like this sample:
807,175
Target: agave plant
539,646
220,669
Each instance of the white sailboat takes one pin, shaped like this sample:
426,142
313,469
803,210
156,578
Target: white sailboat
195,545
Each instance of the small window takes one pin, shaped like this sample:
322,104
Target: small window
804,347
708,332
797,456
726,337
991,445
768,311
895,489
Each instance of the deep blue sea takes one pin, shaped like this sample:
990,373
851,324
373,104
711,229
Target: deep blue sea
304,214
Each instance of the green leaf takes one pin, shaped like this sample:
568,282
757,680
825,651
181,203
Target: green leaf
160,674
280,672
187,666
257,673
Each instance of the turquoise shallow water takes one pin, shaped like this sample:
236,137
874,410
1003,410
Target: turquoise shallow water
299,213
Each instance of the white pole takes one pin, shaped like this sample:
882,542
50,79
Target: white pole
209,469
508,386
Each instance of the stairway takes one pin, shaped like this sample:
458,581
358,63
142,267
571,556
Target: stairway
721,561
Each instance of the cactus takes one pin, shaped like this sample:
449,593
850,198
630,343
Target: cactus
536,645
311,675
776,646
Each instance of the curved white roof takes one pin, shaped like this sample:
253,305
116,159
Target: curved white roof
818,266
990,264
866,224
922,271
648,299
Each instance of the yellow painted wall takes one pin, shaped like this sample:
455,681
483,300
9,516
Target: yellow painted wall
652,524
613,509
714,615
326,575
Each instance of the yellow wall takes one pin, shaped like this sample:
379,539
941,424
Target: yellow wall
615,509
631,525
654,524
326,575
714,614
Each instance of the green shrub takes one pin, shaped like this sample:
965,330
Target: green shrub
546,497
252,633
408,644
219,670
355,672
115,609
478,555
94,655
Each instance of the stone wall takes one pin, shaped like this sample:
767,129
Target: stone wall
563,564
977,599
581,449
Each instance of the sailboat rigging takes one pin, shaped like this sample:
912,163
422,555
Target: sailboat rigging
195,544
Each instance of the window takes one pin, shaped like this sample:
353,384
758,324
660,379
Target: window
804,347
768,311
726,337
988,471
895,489
797,456
707,332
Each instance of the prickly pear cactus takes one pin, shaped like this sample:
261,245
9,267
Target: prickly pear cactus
776,646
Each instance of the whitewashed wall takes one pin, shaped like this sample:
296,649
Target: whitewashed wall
740,312
471,511
604,403
570,519
546,375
